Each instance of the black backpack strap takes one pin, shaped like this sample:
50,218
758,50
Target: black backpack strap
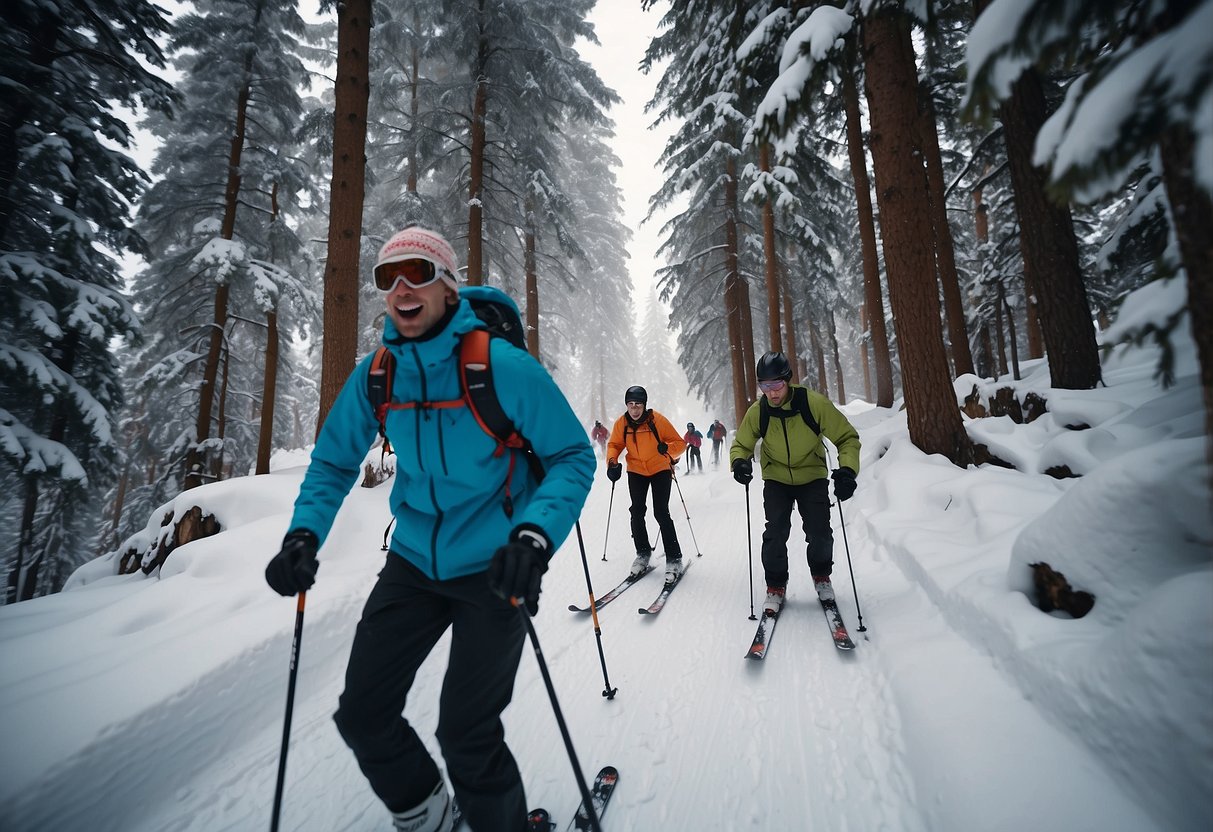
476,375
379,391
800,404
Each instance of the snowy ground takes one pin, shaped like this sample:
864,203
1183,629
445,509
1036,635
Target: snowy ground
136,703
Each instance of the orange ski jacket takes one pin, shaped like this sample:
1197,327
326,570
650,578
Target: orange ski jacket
640,442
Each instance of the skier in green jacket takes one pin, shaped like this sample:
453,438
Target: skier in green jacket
794,419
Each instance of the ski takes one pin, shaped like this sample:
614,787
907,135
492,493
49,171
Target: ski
666,589
762,637
537,820
600,793
599,603
842,639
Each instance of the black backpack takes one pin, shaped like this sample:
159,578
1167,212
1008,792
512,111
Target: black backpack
800,404
479,395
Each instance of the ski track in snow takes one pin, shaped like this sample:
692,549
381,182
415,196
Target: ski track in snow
704,739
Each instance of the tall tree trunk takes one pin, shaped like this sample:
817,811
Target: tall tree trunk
414,100
839,382
269,375
864,356
476,273
873,295
269,388
532,285
1049,246
892,91
945,248
819,359
734,298
348,190
789,324
1193,218
768,250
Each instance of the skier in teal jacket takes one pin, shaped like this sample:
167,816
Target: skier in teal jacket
473,529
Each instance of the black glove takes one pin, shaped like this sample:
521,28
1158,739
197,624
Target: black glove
516,568
743,471
844,483
663,448
293,569
614,471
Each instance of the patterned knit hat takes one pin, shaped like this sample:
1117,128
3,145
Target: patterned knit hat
416,243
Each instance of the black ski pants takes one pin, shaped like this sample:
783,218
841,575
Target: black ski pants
813,501
404,617
693,458
638,487
716,451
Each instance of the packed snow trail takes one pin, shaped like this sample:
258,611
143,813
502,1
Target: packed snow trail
879,738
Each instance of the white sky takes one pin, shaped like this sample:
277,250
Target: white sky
150,703
624,32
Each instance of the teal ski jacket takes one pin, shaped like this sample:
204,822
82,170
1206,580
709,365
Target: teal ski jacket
448,495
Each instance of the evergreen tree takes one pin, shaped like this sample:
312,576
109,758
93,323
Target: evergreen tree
220,228
66,184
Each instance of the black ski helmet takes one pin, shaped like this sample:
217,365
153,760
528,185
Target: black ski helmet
636,393
691,425
772,366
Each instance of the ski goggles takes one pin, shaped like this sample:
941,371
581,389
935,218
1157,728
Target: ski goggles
771,386
415,272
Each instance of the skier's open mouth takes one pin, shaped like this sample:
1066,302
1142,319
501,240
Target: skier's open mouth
406,310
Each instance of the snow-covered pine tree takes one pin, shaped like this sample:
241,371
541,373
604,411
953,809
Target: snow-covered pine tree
1155,61
703,86
219,222
66,186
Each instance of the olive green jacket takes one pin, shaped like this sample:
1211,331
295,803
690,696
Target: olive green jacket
791,452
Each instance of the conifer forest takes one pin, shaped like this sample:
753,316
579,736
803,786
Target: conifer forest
896,193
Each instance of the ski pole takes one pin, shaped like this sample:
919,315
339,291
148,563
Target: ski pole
674,475
843,521
608,691
607,536
290,708
749,540
586,799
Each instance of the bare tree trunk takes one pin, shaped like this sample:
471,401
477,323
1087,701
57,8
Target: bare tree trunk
269,388
839,383
863,353
768,250
1193,218
476,273
1049,246
532,286
945,248
892,89
414,100
789,324
873,295
348,191
735,298
819,358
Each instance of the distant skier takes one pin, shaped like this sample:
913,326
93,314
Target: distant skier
458,553
716,432
653,450
599,434
794,471
694,439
